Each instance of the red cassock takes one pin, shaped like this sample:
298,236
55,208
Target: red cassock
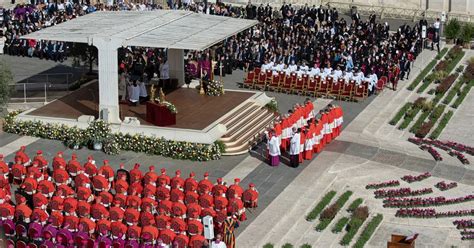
220,203
82,180
162,193
137,187
221,216
71,222
177,181
149,190
176,195
167,236
236,207
136,175
121,199
58,162
56,203
42,163
56,218
191,197
121,186
208,212
163,180
30,185
116,213
107,172
18,172
182,240
103,226
83,208
205,186
40,214
194,210
66,190
217,188
150,178
88,224
250,198
90,169
131,216
162,221
190,184
118,229
195,227
284,140
134,232
134,201
83,193
98,211
22,157
73,167
100,183
178,209
45,187
147,218
165,206
206,201
197,241
60,176
4,167
150,233
148,202
6,210
70,205
302,141
233,190
178,225
106,198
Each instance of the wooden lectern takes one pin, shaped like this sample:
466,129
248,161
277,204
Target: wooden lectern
400,241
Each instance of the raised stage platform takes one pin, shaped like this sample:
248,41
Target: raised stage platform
235,117
195,111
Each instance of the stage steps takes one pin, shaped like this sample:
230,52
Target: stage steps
248,122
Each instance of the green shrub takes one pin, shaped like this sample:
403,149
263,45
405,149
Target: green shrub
419,122
268,245
330,213
460,69
409,118
455,61
441,53
368,231
287,245
452,29
422,75
466,33
465,90
431,91
340,224
352,228
220,144
354,205
419,102
437,112
453,91
305,246
400,113
441,125
320,206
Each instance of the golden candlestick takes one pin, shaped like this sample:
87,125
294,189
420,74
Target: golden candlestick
162,96
152,93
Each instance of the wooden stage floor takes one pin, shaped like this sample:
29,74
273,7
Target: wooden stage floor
195,111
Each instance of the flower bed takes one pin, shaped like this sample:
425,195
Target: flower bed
418,178
357,219
460,156
464,224
453,91
424,202
442,124
354,205
465,90
321,205
457,213
432,151
400,113
419,122
330,212
114,142
424,129
340,224
453,148
443,186
401,192
422,75
392,183
409,116
467,237
368,231
416,213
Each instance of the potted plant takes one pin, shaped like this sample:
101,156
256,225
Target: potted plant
452,29
97,133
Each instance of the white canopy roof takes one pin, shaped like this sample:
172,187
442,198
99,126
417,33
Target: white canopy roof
161,28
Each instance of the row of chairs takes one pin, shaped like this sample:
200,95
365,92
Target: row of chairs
307,85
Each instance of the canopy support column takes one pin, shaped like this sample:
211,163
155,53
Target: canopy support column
108,80
176,64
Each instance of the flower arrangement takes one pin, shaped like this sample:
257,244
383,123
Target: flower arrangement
170,107
215,88
97,131
401,192
445,186
411,179
392,183
114,142
424,202
272,105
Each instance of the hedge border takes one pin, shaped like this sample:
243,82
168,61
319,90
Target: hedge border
355,204
441,125
453,91
368,231
419,122
347,238
441,54
324,223
408,120
401,112
321,205
340,224
422,75
465,90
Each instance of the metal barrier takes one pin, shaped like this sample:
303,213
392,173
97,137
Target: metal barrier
41,87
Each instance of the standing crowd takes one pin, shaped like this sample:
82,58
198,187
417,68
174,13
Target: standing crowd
302,133
73,204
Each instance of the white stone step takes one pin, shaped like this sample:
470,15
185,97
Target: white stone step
242,123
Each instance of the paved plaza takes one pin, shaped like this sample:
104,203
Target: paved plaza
369,150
